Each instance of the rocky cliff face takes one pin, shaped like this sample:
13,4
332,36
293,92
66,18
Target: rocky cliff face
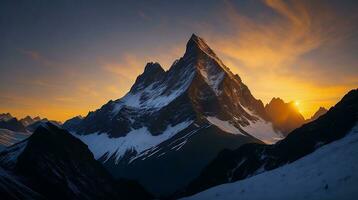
52,164
174,114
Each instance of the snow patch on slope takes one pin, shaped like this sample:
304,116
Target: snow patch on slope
8,138
212,77
259,129
224,125
138,140
157,94
263,131
12,153
315,176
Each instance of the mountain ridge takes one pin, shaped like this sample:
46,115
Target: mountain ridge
166,112
252,159
56,165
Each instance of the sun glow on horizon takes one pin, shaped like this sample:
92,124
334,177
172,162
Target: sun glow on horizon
291,50
297,103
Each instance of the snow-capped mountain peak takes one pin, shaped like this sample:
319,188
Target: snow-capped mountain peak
198,83
5,116
164,110
197,45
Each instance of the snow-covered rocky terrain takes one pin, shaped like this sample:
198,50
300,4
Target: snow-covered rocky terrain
328,173
52,164
13,130
137,140
8,137
250,160
168,115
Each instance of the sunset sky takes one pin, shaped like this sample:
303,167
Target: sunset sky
59,59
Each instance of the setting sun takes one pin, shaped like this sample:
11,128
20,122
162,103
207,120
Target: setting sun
297,103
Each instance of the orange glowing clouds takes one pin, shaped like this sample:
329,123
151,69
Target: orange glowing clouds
292,49
281,40
297,103
269,54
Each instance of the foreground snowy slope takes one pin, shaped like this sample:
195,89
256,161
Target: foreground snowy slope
328,173
252,159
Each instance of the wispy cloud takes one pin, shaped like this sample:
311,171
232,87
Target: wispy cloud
296,28
270,51
38,57
129,66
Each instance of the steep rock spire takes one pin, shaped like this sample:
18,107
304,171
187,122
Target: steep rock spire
152,73
197,45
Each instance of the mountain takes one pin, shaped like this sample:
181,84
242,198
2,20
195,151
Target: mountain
327,173
251,159
173,123
52,164
73,123
13,130
321,111
284,116
8,138
42,122
26,121
7,121
5,116
12,124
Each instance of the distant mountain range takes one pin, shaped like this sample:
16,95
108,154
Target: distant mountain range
13,130
7,121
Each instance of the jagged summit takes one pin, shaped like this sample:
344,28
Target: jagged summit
284,116
277,100
5,116
28,120
194,37
153,67
37,118
321,111
199,60
197,45
152,73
